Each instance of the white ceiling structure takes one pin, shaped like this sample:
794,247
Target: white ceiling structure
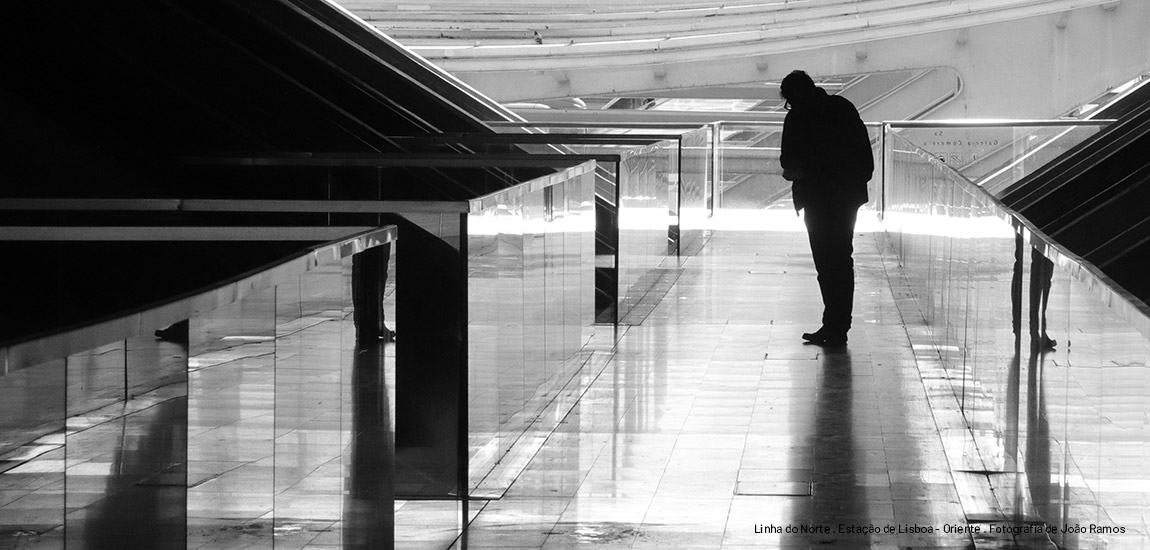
898,59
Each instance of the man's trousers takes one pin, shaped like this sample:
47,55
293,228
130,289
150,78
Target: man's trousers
831,231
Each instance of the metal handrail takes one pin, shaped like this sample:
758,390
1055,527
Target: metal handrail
479,204
1004,123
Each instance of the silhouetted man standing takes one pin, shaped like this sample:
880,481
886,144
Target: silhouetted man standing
826,154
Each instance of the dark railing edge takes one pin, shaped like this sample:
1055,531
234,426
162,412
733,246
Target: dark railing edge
61,343
484,202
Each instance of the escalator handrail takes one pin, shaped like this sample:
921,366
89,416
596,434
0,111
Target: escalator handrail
1090,153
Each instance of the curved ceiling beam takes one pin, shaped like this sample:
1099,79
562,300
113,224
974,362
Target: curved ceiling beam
762,42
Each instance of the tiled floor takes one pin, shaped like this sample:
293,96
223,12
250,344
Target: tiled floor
714,426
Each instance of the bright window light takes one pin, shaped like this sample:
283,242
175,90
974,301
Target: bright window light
1127,86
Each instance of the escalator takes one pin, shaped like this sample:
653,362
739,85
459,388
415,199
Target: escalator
116,104
105,100
1039,145
1093,199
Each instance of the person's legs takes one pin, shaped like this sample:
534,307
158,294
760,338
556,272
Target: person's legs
368,276
831,233
1041,277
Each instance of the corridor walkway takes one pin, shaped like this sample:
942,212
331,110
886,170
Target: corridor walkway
714,426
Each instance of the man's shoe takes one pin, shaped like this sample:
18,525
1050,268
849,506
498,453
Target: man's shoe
814,337
824,337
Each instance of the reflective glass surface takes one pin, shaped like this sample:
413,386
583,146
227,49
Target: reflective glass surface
231,410
648,199
696,200
530,268
80,467
125,473
96,378
309,393
261,423
994,156
749,174
646,207
32,455
1046,366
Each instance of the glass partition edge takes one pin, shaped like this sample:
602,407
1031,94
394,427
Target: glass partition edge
49,347
1130,308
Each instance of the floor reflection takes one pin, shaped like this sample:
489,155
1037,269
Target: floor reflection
369,502
127,481
839,491
1037,466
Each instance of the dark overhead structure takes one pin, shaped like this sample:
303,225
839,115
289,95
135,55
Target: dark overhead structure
1093,199
112,99
171,100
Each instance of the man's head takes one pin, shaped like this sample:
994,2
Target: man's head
797,87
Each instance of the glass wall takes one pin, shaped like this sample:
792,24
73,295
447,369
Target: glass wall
995,155
1047,364
231,420
263,421
531,304
80,467
750,176
648,210
696,199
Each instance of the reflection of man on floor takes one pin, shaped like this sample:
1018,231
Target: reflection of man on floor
826,154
